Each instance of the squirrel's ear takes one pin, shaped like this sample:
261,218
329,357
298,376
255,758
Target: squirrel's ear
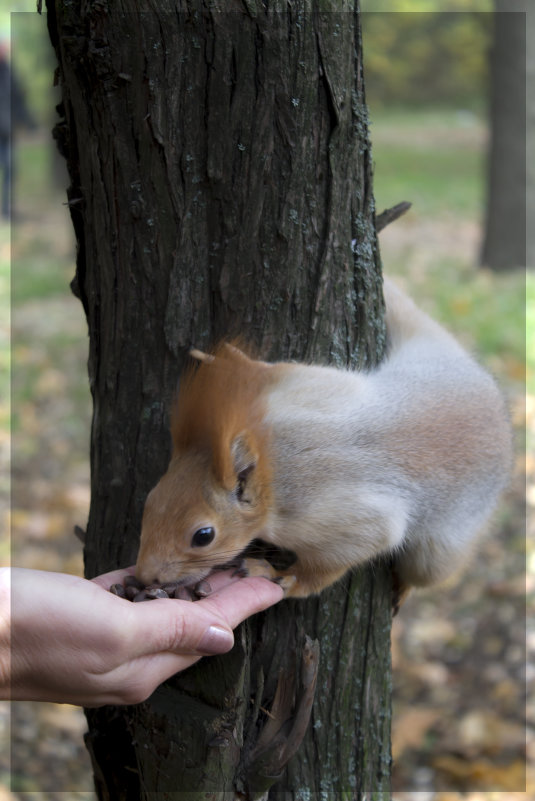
207,358
244,458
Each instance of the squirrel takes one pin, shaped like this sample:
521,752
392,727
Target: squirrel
338,466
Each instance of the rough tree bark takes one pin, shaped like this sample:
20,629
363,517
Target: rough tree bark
220,183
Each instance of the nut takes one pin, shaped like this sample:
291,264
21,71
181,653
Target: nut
155,592
183,593
131,592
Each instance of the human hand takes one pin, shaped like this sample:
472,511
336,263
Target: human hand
74,642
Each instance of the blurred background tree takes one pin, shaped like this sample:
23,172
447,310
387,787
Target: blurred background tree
504,241
471,56
424,57
530,135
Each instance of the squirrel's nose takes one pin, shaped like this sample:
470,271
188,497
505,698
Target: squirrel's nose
148,570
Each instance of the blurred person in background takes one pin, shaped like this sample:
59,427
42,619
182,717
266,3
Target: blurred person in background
14,113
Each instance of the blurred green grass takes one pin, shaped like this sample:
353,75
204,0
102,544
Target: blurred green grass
433,158
49,380
42,258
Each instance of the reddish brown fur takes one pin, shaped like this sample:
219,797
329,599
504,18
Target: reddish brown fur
218,401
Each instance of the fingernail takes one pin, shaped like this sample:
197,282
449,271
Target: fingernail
215,640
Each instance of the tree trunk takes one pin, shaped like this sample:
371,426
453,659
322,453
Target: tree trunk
221,183
504,245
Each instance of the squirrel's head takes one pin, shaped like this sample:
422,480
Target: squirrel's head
215,496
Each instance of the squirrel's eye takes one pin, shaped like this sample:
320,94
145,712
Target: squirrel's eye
203,536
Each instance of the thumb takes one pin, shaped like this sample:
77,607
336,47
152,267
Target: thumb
180,627
215,640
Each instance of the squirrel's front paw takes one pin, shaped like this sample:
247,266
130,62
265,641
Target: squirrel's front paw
262,568
286,582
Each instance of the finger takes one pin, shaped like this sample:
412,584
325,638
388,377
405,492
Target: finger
114,577
181,627
204,627
238,601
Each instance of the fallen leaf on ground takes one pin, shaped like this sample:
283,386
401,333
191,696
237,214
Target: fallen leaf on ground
483,773
410,728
